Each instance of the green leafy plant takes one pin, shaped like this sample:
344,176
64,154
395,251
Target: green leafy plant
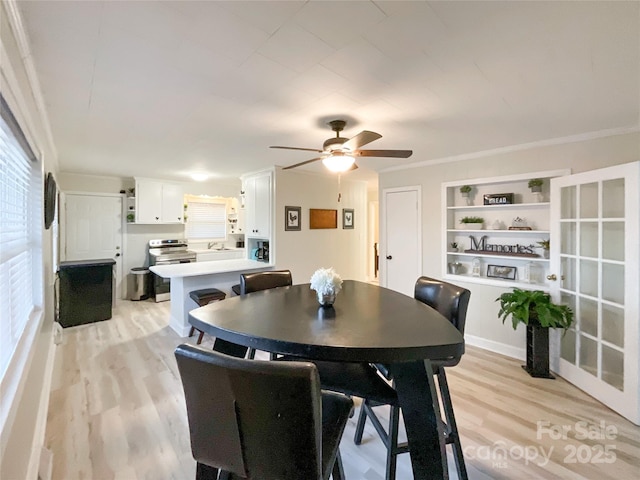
544,244
454,245
465,189
525,306
130,217
472,220
536,182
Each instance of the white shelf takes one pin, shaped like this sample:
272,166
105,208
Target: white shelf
500,207
511,257
526,232
497,282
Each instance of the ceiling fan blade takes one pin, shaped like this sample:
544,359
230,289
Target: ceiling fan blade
302,163
361,139
297,148
383,153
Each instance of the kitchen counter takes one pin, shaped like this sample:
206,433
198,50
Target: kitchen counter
186,277
180,270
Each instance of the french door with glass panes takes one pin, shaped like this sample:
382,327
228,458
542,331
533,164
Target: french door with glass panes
595,263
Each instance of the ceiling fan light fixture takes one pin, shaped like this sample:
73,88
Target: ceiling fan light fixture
338,163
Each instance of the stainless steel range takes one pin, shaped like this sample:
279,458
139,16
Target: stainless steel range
167,252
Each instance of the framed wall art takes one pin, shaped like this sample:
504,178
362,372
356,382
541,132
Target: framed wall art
292,219
322,218
347,218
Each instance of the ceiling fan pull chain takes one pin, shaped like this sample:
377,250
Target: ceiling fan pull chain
339,194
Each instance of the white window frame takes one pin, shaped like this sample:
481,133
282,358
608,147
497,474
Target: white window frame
28,322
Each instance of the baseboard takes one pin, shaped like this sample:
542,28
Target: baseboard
37,449
497,347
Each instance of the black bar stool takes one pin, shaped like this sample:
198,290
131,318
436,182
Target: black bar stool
204,297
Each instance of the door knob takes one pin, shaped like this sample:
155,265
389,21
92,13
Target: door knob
389,257
552,277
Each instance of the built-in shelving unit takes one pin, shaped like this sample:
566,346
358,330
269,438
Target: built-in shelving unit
131,209
494,254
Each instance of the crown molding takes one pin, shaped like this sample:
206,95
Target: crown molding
22,40
516,148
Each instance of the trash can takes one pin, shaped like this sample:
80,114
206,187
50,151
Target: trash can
140,283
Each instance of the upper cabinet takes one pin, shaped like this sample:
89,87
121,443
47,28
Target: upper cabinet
158,201
258,204
495,233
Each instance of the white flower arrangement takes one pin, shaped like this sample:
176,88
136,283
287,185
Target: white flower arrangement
326,281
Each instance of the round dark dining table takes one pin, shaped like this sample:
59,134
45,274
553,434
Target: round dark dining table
367,323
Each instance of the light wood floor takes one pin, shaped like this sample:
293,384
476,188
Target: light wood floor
117,412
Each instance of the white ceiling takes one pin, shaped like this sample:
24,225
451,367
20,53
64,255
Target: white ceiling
164,89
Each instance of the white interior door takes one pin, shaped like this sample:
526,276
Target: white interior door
401,239
595,255
93,230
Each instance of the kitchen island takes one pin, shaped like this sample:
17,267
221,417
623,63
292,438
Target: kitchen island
186,277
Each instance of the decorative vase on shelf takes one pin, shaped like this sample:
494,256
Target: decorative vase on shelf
454,268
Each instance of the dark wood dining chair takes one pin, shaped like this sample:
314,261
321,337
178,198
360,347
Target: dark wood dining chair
204,297
260,420
255,282
451,301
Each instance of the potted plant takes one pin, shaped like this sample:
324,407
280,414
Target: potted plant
454,246
465,190
535,184
131,217
537,311
472,223
545,247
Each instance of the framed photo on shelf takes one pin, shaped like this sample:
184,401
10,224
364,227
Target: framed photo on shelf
292,218
347,217
501,271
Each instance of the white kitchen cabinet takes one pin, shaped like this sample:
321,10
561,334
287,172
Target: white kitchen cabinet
258,205
158,202
501,251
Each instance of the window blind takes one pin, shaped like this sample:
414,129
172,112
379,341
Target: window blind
206,219
20,198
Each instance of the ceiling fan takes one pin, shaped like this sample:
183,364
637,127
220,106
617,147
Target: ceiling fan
338,153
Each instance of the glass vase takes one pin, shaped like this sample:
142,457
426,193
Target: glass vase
326,299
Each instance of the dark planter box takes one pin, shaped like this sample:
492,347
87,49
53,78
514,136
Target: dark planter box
538,352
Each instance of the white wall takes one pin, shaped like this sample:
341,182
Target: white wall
305,251
22,429
483,327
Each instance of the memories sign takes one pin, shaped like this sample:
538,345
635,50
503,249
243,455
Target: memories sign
498,199
482,246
